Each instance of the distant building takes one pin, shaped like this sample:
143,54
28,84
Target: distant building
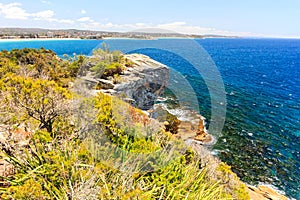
50,34
43,37
9,37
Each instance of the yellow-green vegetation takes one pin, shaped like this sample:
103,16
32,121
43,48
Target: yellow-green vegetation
107,63
33,99
39,64
225,175
98,148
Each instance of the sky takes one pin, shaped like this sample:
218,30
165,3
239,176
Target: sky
254,18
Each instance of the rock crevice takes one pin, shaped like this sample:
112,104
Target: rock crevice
144,82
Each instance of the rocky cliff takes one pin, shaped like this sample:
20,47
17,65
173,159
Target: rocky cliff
140,84
144,82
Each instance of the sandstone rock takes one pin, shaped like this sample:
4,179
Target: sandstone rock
169,121
16,139
142,83
201,134
263,192
146,81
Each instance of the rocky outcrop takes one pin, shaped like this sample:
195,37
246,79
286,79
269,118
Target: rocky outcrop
144,82
170,122
201,134
264,192
139,84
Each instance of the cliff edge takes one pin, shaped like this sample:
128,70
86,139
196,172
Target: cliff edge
140,82
143,82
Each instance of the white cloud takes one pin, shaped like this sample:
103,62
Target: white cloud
13,11
66,21
183,27
84,19
43,15
173,27
173,24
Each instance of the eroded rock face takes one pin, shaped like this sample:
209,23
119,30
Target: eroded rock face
140,84
143,82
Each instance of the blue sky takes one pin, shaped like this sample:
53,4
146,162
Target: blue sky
270,18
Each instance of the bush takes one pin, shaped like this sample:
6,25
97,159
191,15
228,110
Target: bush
39,64
107,63
112,69
108,150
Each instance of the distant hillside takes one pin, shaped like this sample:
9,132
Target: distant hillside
15,33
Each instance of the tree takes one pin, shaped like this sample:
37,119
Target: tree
39,64
37,99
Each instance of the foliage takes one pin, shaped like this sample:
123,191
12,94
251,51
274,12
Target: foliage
124,124
39,64
128,63
183,181
117,79
106,150
226,175
112,69
170,121
107,63
99,68
40,100
53,168
70,170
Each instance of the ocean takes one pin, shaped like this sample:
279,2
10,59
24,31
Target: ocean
260,78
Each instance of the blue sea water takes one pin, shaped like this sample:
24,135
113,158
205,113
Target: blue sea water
261,135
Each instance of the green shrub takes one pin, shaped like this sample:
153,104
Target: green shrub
112,69
120,154
99,68
39,63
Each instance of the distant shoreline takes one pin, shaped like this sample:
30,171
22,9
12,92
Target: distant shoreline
37,39
129,38
104,38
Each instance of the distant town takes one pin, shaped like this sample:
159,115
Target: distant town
36,33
